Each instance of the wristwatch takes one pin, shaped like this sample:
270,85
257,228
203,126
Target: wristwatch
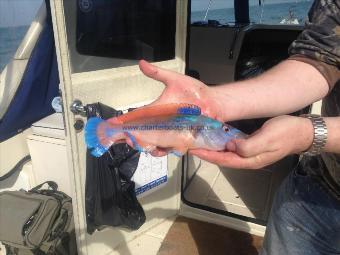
320,134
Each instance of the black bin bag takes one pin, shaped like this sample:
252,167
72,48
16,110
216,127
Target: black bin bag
110,198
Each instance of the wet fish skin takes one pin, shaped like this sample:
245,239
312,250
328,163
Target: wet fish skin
175,131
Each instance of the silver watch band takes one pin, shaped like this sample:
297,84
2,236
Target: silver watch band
320,134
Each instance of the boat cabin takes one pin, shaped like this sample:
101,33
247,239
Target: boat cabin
94,47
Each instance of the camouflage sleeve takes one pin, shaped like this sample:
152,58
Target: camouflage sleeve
319,43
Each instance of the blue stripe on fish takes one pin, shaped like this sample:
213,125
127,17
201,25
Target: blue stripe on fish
200,121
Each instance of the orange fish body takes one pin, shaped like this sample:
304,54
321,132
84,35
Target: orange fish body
175,127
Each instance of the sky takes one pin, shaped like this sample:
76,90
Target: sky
15,13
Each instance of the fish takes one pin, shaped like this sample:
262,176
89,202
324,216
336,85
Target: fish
176,127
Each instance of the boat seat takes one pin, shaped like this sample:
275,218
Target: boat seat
31,80
12,74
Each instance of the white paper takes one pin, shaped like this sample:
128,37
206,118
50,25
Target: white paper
151,174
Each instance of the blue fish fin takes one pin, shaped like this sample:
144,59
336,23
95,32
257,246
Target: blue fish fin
189,110
91,136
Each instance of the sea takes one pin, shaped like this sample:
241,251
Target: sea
10,37
264,14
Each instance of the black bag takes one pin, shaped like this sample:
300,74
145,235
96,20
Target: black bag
110,198
38,221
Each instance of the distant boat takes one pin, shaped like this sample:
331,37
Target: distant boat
290,20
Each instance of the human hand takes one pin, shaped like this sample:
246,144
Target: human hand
277,138
180,88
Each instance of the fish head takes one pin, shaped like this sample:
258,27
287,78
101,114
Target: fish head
232,133
216,138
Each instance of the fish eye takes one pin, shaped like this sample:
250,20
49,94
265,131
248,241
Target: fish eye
225,128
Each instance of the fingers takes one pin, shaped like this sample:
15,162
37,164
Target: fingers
159,152
228,159
114,121
157,73
252,146
232,160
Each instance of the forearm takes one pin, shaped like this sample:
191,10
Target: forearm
287,87
333,137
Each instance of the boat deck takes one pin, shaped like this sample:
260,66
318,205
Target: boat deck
184,236
190,237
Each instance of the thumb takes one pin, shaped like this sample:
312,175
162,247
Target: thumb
252,146
157,73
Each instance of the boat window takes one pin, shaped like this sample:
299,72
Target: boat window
275,12
212,12
221,12
15,18
115,33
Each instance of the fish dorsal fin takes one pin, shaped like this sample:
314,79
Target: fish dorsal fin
154,111
189,110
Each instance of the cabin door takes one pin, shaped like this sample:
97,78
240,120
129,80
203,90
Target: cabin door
99,43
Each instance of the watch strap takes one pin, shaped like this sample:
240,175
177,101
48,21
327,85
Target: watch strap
320,134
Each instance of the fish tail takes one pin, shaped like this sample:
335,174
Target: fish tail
98,136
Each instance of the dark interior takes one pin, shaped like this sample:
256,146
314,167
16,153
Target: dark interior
261,49
127,29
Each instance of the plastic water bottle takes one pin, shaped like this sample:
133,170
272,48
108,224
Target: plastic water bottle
57,104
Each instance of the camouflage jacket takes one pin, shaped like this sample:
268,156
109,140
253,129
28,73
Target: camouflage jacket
319,45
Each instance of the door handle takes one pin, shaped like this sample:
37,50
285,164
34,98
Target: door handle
78,108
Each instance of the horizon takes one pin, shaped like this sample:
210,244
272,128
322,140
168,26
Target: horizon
202,5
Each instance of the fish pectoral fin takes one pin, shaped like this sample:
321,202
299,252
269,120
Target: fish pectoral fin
140,145
134,142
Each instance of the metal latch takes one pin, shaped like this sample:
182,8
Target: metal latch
78,108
